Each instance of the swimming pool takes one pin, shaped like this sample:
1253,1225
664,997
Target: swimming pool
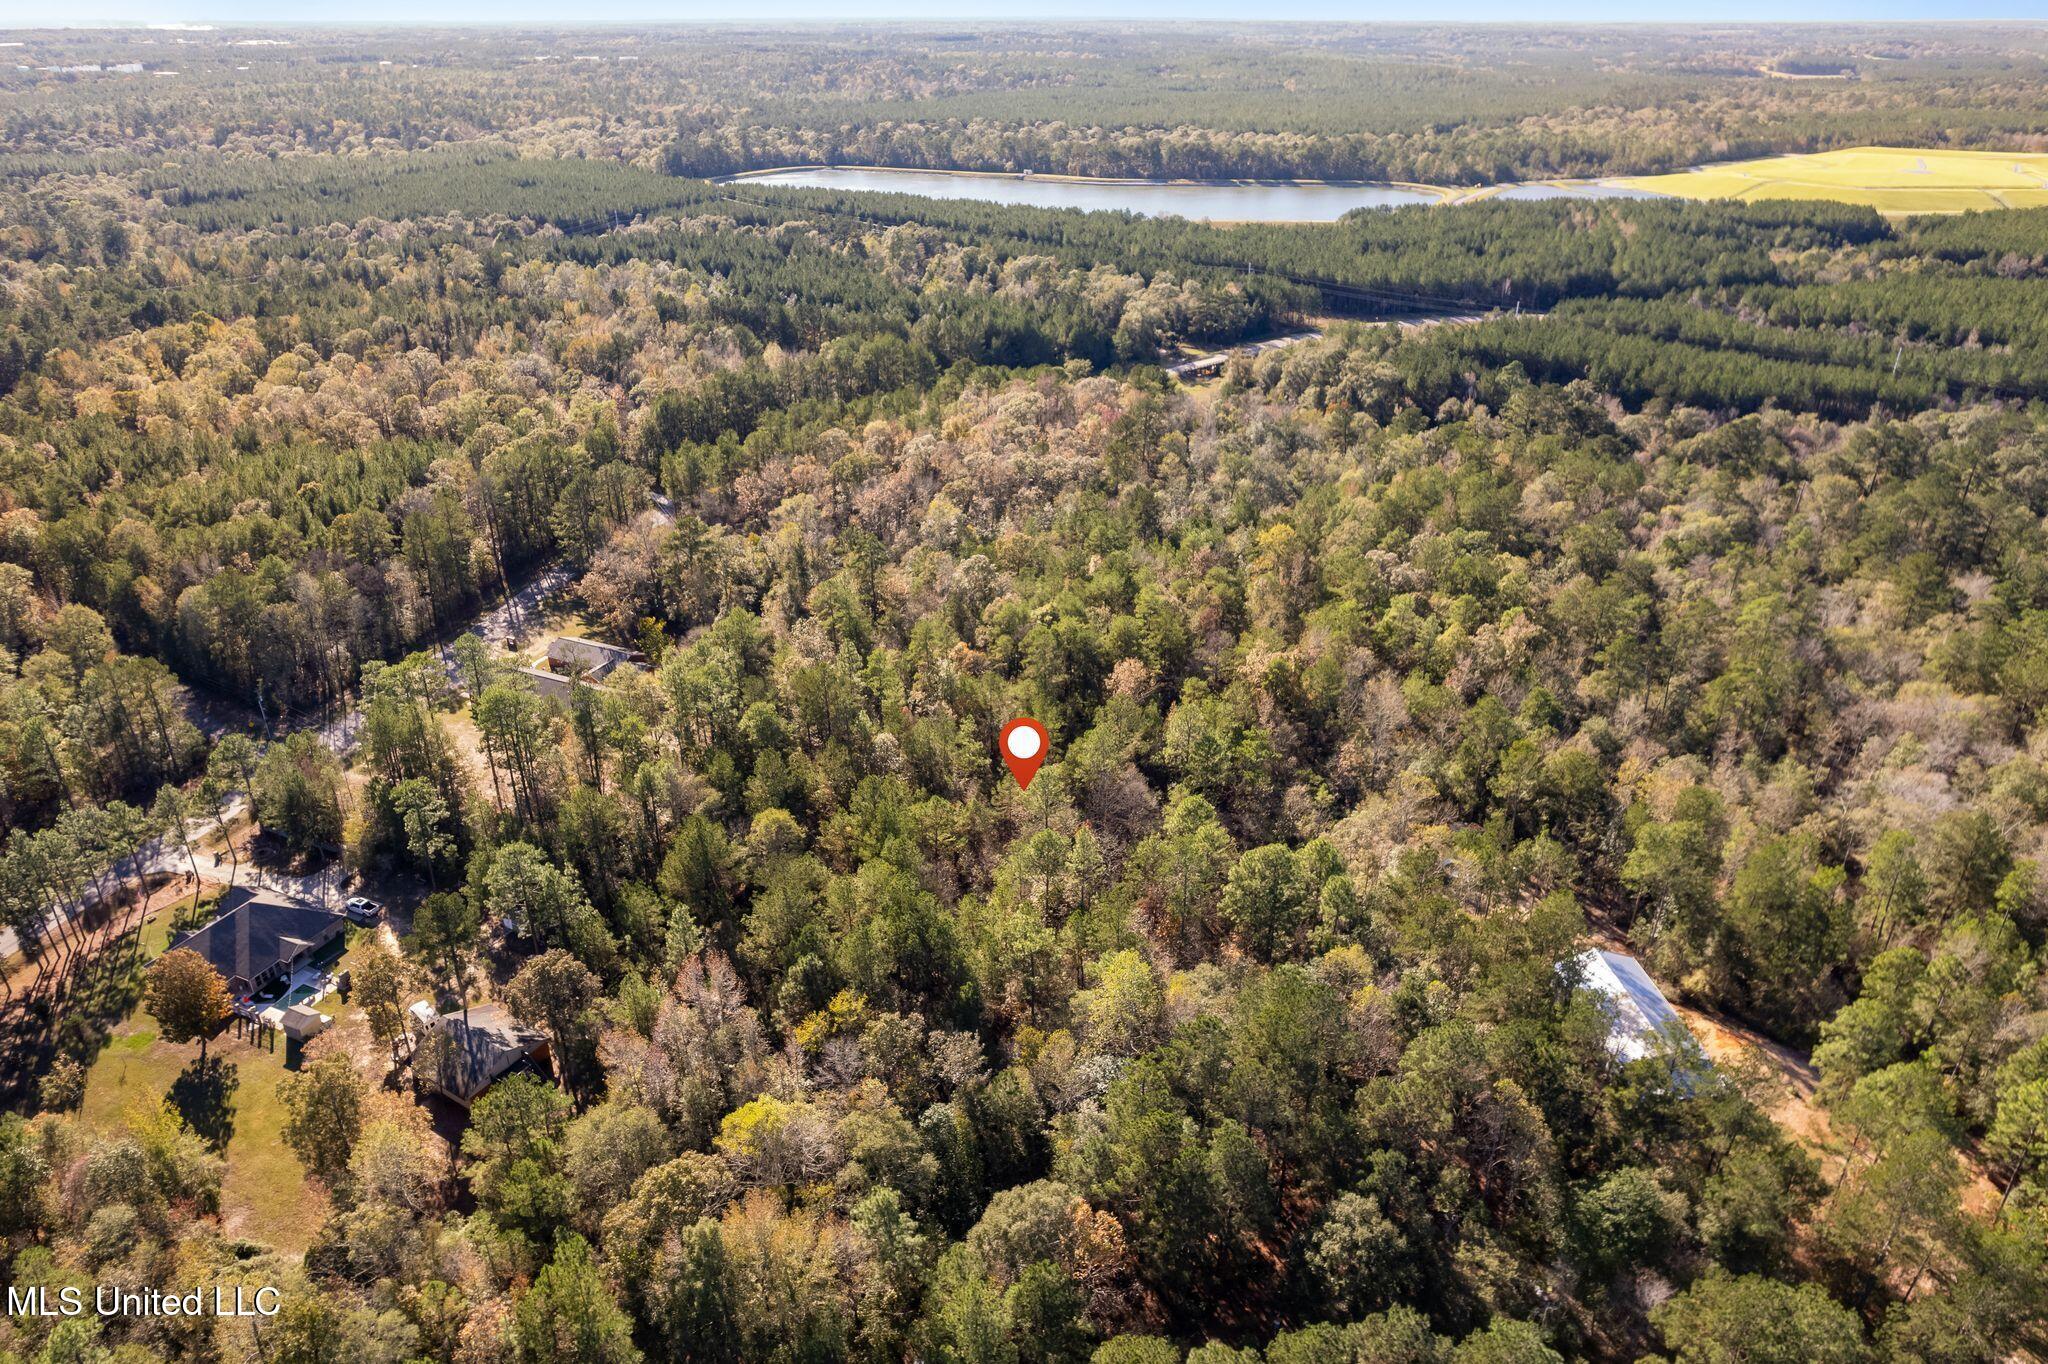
304,994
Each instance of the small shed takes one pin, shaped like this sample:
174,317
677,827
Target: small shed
300,1022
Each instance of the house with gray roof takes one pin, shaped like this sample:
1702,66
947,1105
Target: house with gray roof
554,686
590,658
257,939
460,1057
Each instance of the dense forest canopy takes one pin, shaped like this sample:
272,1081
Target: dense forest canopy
1457,104
1689,600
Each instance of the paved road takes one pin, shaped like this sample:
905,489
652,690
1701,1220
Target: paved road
161,856
1204,363
1211,364
504,627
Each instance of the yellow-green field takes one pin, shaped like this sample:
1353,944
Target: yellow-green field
1889,179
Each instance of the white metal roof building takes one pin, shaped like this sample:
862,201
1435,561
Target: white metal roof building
1638,1015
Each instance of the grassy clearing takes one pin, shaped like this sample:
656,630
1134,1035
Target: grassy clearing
1889,179
265,1196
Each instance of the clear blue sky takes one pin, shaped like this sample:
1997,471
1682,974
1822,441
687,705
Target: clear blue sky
80,12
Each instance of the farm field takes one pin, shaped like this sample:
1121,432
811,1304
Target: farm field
1888,179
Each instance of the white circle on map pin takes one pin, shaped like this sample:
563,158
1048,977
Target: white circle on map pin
1023,743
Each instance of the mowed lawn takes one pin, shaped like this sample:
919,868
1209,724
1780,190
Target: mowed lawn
265,1196
1889,179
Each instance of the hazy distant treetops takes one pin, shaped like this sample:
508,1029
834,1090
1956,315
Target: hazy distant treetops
1412,102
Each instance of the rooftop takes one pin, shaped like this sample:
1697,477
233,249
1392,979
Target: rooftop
482,1047
1638,1014
578,644
254,933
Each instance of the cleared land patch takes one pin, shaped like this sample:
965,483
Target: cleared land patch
233,1101
1889,179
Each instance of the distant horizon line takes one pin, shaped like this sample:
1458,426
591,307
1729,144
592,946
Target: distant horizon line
209,25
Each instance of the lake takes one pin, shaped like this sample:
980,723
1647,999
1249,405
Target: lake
1233,201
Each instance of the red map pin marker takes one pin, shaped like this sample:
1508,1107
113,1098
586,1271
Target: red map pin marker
1022,745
